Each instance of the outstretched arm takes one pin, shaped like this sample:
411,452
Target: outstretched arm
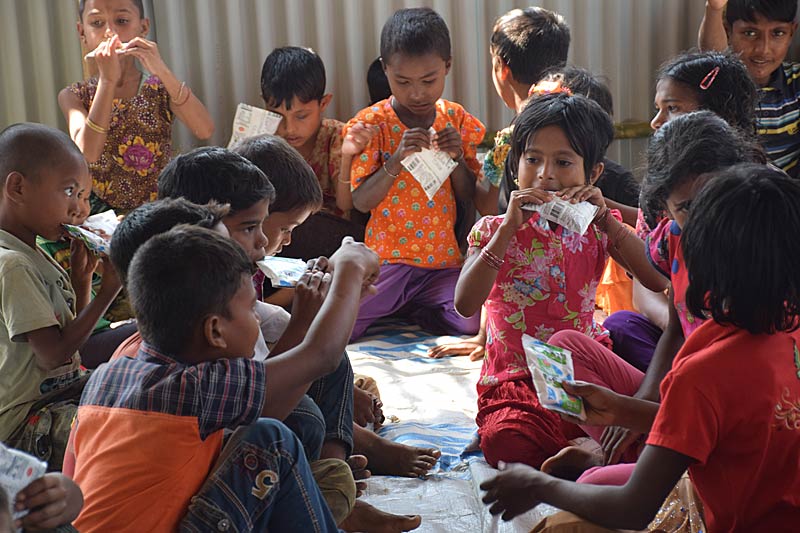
712,34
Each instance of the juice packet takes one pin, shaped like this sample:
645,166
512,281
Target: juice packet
96,231
574,217
283,272
17,471
549,366
430,168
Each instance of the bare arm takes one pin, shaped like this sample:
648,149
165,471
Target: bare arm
486,198
477,277
653,305
712,34
344,195
668,346
629,251
629,213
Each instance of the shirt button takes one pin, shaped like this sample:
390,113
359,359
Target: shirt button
223,525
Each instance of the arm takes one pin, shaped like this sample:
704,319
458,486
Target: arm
344,195
629,251
82,266
486,198
712,34
355,141
629,213
668,346
653,305
474,347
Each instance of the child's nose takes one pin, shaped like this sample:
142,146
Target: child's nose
658,120
545,171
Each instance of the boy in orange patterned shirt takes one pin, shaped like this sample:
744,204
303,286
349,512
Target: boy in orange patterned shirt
414,236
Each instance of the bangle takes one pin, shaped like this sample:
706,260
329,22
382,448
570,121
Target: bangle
177,101
95,127
344,181
491,259
393,176
602,220
617,240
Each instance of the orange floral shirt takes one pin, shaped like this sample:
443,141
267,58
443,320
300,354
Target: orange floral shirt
406,227
326,162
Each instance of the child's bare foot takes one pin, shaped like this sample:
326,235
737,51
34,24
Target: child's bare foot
389,458
358,464
570,463
368,519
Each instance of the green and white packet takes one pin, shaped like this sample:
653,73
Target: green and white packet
282,272
96,231
549,366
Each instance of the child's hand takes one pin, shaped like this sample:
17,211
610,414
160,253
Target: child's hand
310,292
53,500
717,5
515,215
583,193
449,140
108,65
474,347
147,54
367,408
111,281
614,441
82,264
357,138
414,140
600,403
514,490
356,254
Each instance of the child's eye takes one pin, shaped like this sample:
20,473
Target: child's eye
672,108
122,21
69,191
428,82
402,83
779,33
564,162
301,117
531,160
97,23
749,33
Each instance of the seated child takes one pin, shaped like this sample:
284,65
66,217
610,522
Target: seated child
293,85
195,305
415,236
741,449
760,32
46,313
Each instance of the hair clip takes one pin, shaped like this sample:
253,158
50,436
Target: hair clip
548,87
709,79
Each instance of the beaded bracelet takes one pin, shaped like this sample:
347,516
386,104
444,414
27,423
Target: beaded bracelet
491,259
95,127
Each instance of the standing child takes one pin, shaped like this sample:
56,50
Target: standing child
742,450
45,313
122,118
415,237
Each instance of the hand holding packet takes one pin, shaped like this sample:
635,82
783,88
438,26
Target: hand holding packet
549,366
430,168
251,121
282,272
17,471
574,217
96,231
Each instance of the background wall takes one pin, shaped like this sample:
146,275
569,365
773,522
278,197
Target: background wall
218,47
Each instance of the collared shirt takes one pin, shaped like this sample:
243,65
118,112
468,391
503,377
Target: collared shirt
778,118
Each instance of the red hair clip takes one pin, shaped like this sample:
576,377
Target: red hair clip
548,87
709,79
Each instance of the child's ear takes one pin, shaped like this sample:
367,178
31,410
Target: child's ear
447,65
324,102
145,27
597,171
81,32
501,68
213,331
14,187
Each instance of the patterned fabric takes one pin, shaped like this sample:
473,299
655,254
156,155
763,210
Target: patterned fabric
138,145
326,162
778,116
665,253
406,227
547,283
494,163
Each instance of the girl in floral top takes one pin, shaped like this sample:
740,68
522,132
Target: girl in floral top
536,277
122,118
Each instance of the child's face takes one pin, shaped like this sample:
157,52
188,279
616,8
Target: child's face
549,162
57,196
680,198
245,228
417,82
279,226
673,99
762,45
240,327
84,207
103,18
301,121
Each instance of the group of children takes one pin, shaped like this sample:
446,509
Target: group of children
226,411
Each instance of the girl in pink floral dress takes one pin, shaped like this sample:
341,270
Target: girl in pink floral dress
535,277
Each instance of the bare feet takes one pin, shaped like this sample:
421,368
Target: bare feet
570,463
368,519
358,464
389,458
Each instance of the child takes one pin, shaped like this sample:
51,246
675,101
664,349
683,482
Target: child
46,314
535,277
377,84
194,302
760,32
122,118
415,237
293,85
742,450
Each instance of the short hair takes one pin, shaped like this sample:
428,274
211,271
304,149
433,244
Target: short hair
377,82
138,3
740,245
296,185
178,278
415,32
154,218
215,174
730,91
587,127
583,81
292,71
28,148
774,10
530,41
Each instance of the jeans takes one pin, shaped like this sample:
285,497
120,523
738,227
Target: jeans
261,482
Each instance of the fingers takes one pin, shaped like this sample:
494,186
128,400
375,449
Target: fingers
477,354
578,388
455,348
415,139
577,194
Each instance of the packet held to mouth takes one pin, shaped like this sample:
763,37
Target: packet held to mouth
549,366
283,272
251,121
96,231
574,217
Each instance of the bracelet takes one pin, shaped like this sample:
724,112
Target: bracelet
344,181
602,221
491,259
617,240
393,176
177,101
95,127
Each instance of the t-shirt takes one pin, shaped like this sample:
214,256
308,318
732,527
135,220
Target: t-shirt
148,431
406,227
778,117
732,403
35,293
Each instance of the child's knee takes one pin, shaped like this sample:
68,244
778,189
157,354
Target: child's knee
308,423
568,339
515,445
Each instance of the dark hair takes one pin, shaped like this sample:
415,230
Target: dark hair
292,71
415,32
586,125
774,10
154,218
138,3
530,41
740,245
215,174
377,83
683,149
731,93
583,81
178,278
296,185
28,148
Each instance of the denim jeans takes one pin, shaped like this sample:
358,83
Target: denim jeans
261,482
325,413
